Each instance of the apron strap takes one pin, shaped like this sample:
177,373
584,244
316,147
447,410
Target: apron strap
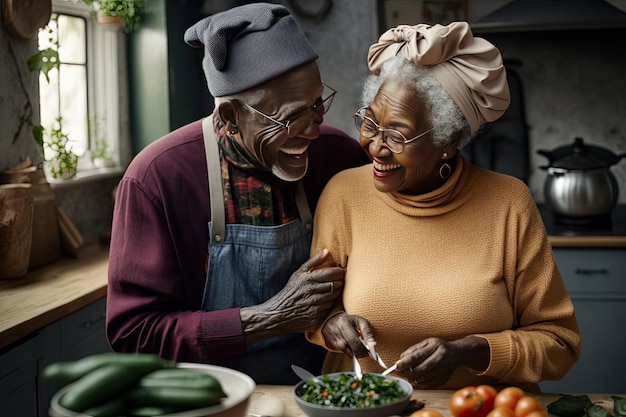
303,207
214,170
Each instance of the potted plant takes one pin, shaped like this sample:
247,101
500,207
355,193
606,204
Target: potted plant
62,162
128,12
100,155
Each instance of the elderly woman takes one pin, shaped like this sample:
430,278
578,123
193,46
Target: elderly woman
448,266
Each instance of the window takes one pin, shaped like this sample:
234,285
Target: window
84,92
63,94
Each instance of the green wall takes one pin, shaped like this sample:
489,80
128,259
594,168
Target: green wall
166,81
148,77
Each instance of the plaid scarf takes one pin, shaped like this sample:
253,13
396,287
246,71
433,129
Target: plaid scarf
251,195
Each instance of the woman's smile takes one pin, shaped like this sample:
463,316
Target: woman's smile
382,169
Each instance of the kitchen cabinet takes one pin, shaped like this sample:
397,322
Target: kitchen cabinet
22,391
19,369
596,281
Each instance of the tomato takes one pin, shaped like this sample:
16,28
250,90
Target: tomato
508,397
472,401
425,412
526,405
501,412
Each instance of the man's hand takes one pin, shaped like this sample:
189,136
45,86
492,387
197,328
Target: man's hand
300,306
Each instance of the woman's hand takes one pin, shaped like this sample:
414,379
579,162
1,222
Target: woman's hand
341,333
431,362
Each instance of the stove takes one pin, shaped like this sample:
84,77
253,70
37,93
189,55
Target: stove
609,225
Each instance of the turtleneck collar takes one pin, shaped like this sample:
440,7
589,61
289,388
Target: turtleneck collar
439,201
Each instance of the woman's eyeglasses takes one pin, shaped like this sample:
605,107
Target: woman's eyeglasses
393,139
299,122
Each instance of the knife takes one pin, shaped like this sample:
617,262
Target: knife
389,370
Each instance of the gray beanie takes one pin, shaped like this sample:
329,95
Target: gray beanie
248,45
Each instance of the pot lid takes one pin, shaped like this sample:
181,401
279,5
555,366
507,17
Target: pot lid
580,156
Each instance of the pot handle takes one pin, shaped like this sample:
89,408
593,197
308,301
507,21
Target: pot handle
545,153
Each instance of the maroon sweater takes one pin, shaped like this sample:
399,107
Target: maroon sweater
159,247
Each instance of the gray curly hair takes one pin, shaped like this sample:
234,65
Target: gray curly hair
446,118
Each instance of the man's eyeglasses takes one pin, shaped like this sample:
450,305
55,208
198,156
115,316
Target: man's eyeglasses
299,122
394,139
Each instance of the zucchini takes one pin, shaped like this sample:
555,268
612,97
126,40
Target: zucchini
104,384
619,406
112,408
570,406
598,411
182,377
68,372
181,398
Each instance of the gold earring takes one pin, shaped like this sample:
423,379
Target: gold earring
445,170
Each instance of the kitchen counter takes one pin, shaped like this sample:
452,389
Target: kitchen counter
432,399
49,293
608,234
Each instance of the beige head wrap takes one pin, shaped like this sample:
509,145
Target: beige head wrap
469,68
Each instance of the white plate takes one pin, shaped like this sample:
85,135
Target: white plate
237,386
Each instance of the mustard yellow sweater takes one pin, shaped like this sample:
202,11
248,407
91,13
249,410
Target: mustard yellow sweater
470,258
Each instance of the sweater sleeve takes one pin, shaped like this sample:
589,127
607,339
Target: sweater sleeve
158,256
150,305
546,340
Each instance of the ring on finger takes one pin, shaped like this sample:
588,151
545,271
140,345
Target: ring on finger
332,287
411,369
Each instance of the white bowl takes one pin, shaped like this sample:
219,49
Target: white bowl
316,410
237,386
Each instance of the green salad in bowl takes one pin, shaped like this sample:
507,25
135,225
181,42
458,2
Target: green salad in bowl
342,394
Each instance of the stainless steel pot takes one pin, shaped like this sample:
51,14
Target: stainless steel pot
579,182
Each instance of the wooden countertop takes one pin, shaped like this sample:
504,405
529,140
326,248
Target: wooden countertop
49,293
587,241
432,399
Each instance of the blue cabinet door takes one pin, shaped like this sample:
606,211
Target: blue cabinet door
596,282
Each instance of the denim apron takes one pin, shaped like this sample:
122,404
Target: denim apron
250,264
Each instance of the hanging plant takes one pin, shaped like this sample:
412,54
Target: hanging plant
129,10
45,60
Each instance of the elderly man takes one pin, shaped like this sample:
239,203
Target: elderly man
209,257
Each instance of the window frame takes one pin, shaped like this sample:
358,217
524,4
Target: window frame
107,96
